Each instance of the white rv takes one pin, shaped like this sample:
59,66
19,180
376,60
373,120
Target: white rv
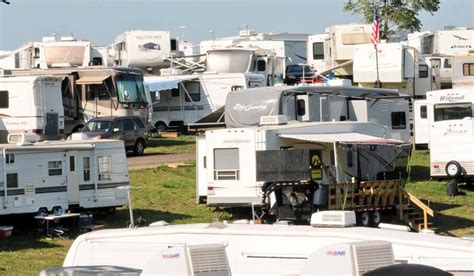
315,55
400,67
147,50
51,176
31,104
254,249
327,120
186,100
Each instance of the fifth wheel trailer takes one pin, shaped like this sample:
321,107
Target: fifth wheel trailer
62,175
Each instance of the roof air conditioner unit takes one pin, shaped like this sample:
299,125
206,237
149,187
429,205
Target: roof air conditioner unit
273,120
333,219
23,138
354,258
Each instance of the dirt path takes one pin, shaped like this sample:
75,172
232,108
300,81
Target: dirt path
152,160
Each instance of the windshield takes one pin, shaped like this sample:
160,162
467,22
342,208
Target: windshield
130,89
229,61
444,112
97,126
299,69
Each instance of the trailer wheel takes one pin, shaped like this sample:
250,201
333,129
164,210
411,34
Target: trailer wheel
452,188
375,218
364,219
43,212
160,127
453,169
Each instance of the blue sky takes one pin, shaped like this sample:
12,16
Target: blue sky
100,21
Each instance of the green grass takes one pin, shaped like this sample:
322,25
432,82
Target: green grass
180,144
168,194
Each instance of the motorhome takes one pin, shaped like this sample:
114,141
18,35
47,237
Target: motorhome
147,50
56,176
96,91
315,52
399,67
323,119
31,104
256,249
185,100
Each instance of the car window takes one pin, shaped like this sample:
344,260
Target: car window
118,124
128,125
95,126
139,122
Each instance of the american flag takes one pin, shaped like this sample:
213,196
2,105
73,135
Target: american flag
375,38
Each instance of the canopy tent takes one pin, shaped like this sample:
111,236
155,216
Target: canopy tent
352,137
164,83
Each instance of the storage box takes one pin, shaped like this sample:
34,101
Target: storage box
85,220
6,231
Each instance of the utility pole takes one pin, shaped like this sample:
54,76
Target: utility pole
385,20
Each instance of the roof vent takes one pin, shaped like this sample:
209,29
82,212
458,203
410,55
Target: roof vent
333,219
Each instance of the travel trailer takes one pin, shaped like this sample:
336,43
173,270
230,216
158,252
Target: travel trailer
31,104
147,50
449,41
189,100
256,249
322,119
441,70
450,115
97,91
49,53
56,176
400,67
315,55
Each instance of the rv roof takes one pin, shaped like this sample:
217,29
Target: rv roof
69,144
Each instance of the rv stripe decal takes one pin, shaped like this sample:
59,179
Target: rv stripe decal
102,186
13,192
58,189
178,108
4,115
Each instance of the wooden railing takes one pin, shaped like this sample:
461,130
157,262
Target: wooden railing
413,199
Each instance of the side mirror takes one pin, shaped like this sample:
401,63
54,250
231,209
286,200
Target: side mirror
115,130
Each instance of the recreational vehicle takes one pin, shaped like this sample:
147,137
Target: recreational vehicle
52,176
399,67
31,104
315,55
330,121
255,249
186,100
97,91
449,41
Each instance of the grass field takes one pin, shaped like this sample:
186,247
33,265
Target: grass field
168,194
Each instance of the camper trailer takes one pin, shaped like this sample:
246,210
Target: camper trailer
399,67
441,70
97,91
329,121
47,177
256,249
450,116
315,52
147,50
31,104
192,100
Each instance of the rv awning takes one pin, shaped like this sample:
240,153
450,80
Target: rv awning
92,79
354,137
161,83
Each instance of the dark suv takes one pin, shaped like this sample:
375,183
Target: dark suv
130,129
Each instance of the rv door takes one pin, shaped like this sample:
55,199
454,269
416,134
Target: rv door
72,182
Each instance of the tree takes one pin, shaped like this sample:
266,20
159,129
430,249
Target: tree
394,15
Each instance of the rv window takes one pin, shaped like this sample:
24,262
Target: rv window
236,88
10,158
423,71
3,99
175,92
194,91
55,168
301,107
128,125
72,163
318,50
349,157
12,180
423,112
226,164
399,120
37,53
101,90
447,63
261,65
130,89
444,112
468,69
87,169
105,165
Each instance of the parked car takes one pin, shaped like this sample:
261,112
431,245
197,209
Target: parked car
131,129
295,72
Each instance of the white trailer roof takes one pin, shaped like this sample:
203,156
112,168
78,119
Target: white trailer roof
164,83
352,137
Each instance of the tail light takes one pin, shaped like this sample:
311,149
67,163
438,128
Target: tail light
210,188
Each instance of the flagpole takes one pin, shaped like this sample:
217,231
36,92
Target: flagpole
377,82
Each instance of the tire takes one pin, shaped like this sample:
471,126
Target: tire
364,219
375,218
452,188
139,148
453,169
160,127
41,212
